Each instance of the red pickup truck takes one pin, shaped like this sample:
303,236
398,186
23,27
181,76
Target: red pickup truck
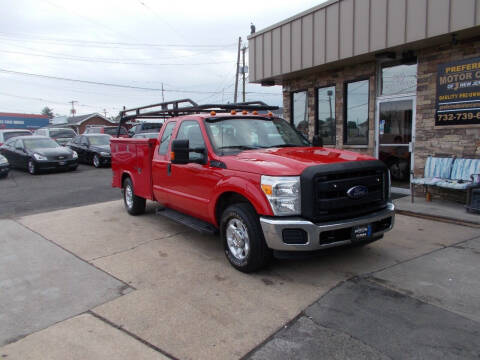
254,179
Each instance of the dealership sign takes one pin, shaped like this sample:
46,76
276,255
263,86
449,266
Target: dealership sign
20,121
458,93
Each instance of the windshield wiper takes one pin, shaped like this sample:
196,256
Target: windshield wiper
240,147
284,145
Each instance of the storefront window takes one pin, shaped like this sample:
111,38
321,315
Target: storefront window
356,113
300,111
326,128
399,79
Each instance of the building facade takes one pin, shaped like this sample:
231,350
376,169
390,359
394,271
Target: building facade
397,79
22,121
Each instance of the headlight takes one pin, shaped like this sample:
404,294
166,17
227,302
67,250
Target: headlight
74,155
39,157
105,153
3,160
283,193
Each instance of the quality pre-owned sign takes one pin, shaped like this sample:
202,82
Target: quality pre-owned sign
458,93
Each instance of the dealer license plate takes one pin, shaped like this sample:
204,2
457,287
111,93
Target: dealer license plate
361,232
61,163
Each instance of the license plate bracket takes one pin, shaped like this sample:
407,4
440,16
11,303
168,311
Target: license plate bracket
361,232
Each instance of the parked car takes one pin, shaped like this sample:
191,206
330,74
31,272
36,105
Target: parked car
6,134
60,135
144,127
254,180
36,153
4,166
92,149
109,130
148,135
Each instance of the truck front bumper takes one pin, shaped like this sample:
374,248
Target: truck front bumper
298,234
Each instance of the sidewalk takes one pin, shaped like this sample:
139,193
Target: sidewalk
443,210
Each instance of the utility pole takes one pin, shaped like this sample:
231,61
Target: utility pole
243,72
163,96
236,70
105,112
73,111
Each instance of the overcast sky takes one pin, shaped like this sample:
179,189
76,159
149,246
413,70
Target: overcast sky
189,46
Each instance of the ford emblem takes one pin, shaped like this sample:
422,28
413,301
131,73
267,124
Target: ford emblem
357,192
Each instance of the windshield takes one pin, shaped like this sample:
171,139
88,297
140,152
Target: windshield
236,134
39,144
112,130
9,135
99,140
62,133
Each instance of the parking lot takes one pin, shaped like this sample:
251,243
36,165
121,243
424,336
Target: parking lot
89,281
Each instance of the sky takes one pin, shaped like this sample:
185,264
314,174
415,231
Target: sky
188,46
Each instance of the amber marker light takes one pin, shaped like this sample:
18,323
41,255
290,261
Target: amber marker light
213,113
244,112
233,112
267,189
172,156
270,114
255,112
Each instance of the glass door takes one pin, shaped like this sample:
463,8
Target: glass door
395,136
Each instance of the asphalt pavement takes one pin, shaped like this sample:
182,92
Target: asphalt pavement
22,193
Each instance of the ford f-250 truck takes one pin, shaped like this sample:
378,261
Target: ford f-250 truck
254,179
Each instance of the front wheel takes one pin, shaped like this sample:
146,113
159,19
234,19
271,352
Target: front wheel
135,205
96,161
243,239
31,167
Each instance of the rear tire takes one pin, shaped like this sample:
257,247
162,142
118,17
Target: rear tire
31,167
243,240
135,205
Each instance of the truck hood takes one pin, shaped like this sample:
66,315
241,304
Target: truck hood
288,161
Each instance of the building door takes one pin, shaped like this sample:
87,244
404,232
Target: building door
395,138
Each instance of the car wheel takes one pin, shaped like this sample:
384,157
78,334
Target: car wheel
31,167
96,161
135,205
243,240
73,168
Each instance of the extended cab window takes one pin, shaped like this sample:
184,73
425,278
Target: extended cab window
190,130
166,136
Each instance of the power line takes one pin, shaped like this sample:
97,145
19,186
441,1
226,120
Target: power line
113,62
91,43
119,85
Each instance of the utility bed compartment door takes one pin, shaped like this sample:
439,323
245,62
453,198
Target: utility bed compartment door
133,157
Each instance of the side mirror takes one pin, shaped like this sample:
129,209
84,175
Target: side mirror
317,141
180,152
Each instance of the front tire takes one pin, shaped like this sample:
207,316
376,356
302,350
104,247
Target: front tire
135,205
243,240
96,161
31,167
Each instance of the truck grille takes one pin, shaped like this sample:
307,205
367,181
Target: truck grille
325,187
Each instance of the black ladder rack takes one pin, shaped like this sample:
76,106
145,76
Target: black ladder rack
181,107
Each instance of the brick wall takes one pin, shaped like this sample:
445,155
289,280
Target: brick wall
337,78
460,141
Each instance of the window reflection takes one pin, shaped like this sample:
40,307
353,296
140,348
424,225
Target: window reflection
326,114
300,111
356,117
399,79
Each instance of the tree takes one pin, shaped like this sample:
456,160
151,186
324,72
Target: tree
48,112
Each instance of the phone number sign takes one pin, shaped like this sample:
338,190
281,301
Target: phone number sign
458,93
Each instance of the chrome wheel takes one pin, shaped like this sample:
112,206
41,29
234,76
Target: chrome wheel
237,239
96,161
129,196
31,167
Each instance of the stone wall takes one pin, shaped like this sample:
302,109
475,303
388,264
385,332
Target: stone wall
459,141
337,78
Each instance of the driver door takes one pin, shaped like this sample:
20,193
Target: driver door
192,184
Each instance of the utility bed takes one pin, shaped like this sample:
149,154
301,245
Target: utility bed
133,157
